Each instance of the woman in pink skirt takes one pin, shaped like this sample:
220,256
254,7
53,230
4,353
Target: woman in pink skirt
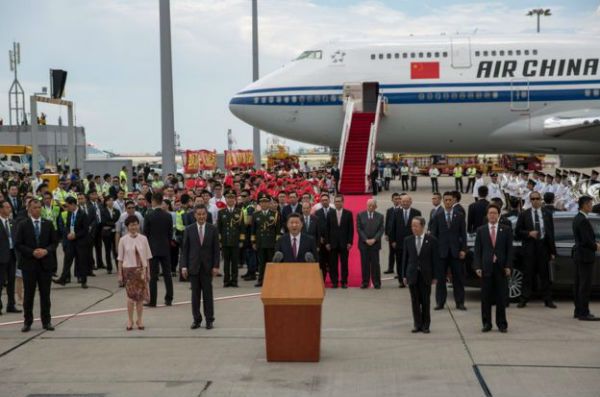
133,261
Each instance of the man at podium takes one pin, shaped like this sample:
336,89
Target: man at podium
295,246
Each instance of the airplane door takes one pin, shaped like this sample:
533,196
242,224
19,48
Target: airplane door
461,52
519,95
370,95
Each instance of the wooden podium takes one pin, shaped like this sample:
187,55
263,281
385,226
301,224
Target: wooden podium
292,296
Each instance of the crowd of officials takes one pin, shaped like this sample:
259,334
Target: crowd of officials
174,228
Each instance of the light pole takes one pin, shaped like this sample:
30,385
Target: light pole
255,131
539,12
166,90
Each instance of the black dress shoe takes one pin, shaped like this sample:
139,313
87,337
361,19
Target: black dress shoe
550,304
150,304
259,284
503,330
168,303
388,272
26,328
209,325
439,307
59,281
195,325
589,317
48,327
84,286
486,328
461,307
109,272
234,285
425,330
226,285
334,285
415,330
378,286
13,310
522,304
91,274
402,285
344,285
363,286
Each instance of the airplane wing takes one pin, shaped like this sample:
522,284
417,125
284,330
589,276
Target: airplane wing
560,125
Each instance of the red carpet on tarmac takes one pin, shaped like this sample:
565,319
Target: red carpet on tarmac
355,204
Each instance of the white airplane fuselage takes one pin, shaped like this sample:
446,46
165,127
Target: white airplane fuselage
489,95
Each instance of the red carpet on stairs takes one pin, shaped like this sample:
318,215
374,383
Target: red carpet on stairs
355,156
355,204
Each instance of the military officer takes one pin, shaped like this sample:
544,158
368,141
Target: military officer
230,223
265,232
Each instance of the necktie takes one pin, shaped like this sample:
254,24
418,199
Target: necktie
537,224
7,228
448,219
201,235
307,221
419,245
37,230
339,217
294,247
493,236
405,217
370,215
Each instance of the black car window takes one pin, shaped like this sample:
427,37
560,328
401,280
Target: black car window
563,229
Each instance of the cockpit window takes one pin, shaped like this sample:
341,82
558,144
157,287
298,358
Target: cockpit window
318,54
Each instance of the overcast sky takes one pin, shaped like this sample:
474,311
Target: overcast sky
111,50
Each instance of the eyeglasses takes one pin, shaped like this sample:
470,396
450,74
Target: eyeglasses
535,198
130,208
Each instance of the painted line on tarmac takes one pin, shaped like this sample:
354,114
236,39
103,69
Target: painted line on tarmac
123,309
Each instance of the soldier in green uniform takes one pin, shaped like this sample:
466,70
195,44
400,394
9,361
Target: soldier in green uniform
230,222
265,231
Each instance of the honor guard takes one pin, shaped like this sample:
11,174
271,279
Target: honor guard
265,231
231,227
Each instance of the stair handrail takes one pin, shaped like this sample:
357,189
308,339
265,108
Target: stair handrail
345,133
373,140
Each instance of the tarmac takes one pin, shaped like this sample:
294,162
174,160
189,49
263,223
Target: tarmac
367,347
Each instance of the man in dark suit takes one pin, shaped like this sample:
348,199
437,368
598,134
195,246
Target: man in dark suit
340,236
401,229
323,214
158,228
584,257
295,245
419,267
8,263
456,204
36,241
77,233
389,221
335,173
13,199
310,223
493,264
370,229
477,210
292,208
436,202
449,228
200,262
90,212
535,228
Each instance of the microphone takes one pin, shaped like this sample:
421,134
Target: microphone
309,257
278,256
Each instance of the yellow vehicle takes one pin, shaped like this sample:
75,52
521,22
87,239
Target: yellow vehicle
279,156
15,157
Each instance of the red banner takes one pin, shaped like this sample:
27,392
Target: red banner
239,159
200,160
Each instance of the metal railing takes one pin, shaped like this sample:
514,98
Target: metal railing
373,140
344,140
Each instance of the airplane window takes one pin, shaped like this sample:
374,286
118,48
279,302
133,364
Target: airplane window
317,98
396,55
526,52
340,98
388,56
429,55
510,53
445,54
588,92
470,95
309,99
380,56
429,96
495,94
420,55
301,98
332,98
438,96
493,53
404,55
412,55
437,54
502,53
286,99
263,99
372,56
454,95
256,99
476,53
271,99
478,95
325,98
534,52
294,99
485,53
318,54
596,92
518,52
487,95
278,99
421,96
462,95
446,96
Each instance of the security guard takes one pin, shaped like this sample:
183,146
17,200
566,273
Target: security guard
249,255
404,171
50,210
231,227
471,176
458,175
265,231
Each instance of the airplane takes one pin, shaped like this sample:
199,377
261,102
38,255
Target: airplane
444,94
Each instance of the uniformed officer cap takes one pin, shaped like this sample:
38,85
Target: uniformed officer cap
230,193
263,197
493,174
594,172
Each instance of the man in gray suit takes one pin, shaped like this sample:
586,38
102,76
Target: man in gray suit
200,262
370,228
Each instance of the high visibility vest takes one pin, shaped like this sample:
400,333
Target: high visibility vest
179,226
51,214
458,172
157,184
59,195
123,176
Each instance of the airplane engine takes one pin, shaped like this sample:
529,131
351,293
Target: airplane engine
579,160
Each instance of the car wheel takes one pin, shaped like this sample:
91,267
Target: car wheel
515,285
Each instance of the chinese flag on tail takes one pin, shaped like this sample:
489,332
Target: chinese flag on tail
424,70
